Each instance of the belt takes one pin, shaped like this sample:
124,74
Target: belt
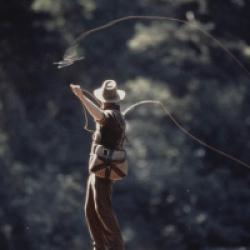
107,153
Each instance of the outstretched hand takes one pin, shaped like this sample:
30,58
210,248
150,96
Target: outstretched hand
76,89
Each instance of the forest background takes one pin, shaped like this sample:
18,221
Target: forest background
178,195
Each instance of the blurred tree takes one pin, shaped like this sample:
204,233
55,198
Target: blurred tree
178,194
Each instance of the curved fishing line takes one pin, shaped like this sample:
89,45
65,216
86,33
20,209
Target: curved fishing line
68,58
185,131
67,55
173,119
86,119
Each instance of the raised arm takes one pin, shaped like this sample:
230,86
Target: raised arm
91,107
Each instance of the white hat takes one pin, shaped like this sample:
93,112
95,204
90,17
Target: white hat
108,92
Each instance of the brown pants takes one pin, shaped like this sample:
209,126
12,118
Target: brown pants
100,217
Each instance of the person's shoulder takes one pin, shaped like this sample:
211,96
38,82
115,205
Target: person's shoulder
113,114
108,112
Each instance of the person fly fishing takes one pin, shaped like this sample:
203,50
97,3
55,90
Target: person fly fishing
70,56
107,164
108,159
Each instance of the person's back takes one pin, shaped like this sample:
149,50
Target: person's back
110,132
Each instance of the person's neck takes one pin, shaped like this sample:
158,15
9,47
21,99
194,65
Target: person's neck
110,106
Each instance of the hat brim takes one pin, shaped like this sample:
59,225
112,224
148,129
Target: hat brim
120,96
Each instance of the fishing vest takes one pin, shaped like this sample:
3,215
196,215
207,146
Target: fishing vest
108,158
111,131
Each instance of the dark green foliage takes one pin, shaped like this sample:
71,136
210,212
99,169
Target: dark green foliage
178,195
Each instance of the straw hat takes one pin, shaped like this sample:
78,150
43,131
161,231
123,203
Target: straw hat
108,92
